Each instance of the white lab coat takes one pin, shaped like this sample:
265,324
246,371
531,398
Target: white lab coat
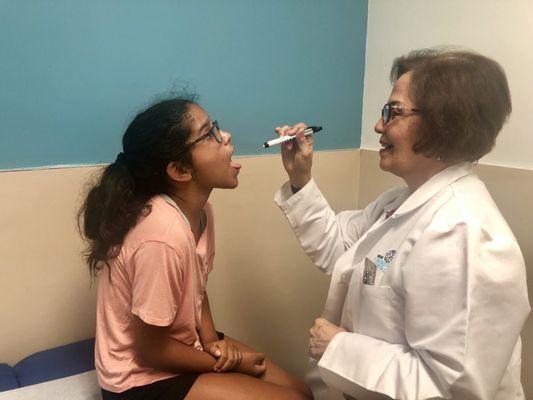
443,319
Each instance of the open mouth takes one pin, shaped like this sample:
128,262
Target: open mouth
385,146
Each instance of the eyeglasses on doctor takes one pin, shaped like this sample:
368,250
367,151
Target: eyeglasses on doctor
391,110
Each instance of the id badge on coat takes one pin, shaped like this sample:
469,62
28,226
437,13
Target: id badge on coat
369,273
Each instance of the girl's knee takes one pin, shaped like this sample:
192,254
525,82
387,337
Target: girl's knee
232,386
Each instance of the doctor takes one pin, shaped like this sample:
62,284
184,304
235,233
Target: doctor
428,291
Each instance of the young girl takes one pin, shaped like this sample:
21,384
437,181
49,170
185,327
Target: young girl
150,227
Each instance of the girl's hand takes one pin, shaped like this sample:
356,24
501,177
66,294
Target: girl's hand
253,364
297,154
229,356
321,334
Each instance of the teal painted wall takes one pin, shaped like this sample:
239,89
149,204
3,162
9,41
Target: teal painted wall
74,73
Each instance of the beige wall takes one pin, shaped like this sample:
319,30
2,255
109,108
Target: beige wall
263,290
45,294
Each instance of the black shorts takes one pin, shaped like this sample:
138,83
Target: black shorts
175,388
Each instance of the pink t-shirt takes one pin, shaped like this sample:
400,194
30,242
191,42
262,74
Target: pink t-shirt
159,275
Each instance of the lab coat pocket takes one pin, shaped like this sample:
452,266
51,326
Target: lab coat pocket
379,315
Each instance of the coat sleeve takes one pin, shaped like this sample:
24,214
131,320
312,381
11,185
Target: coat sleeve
323,235
465,302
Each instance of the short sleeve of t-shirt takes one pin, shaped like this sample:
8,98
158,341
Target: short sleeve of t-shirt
157,283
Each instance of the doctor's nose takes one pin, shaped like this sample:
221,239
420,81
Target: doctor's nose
379,128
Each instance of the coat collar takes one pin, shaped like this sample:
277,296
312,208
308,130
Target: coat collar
433,186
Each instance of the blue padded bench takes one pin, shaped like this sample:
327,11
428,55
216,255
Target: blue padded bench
48,365
8,378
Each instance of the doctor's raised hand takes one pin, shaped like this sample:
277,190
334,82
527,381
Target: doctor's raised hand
297,154
428,290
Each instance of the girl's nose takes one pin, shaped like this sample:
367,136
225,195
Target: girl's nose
226,136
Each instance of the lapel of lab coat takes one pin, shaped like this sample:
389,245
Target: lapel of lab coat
432,187
421,196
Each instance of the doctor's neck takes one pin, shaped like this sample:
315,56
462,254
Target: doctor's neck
424,174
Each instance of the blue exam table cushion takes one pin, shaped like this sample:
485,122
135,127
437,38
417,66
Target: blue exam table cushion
8,378
56,363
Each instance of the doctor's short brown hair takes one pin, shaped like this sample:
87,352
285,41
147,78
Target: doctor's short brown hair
464,98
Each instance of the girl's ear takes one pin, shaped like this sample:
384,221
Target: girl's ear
178,172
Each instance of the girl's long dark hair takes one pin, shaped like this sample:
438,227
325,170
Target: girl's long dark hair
153,139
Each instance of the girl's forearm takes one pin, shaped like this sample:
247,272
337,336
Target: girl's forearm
208,333
177,357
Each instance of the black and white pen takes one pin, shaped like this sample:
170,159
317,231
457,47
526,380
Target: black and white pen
282,139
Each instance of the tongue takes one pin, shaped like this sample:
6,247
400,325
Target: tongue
235,165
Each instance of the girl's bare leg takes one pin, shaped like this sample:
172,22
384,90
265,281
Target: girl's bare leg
235,386
274,373
275,383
